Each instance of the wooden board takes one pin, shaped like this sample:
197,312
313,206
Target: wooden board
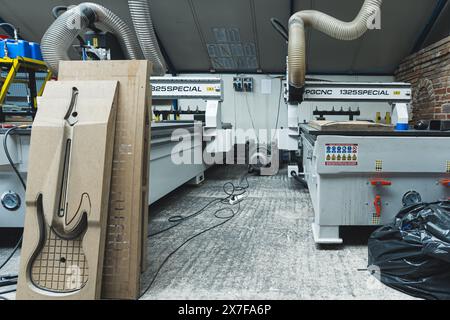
349,126
128,212
67,195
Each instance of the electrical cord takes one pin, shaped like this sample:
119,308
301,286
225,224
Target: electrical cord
181,219
178,219
279,107
235,191
11,162
300,180
280,28
8,155
17,246
16,32
187,241
5,292
251,118
9,280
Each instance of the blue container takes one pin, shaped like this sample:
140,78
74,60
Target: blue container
36,53
402,127
20,48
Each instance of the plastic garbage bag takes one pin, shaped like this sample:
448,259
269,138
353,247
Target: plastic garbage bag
412,254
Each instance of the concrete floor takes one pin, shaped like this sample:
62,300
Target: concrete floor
265,252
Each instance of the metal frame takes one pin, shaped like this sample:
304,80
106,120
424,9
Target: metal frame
16,65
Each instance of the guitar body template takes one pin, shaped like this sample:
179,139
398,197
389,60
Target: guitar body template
68,188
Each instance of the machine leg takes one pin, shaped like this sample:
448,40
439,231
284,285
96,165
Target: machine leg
326,234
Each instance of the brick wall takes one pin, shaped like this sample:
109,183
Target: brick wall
429,73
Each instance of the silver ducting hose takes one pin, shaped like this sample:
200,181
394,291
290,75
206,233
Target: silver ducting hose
59,37
143,25
331,26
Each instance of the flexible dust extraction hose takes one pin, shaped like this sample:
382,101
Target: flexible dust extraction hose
331,26
143,25
59,37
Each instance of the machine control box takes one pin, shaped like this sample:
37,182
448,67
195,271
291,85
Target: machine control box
241,84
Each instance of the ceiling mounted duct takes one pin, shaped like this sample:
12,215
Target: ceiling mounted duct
59,37
331,26
143,25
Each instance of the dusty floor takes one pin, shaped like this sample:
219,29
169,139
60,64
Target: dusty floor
265,252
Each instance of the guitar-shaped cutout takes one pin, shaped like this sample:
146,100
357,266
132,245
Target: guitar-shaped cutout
59,264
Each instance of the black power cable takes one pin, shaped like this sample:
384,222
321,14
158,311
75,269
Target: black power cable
180,219
8,155
187,241
15,31
299,179
279,107
8,280
232,193
17,246
11,162
280,28
5,292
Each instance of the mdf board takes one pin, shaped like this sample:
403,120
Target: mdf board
127,220
325,125
67,196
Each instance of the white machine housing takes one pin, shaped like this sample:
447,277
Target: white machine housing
218,139
397,94
344,193
364,178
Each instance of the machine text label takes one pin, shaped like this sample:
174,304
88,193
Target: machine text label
176,88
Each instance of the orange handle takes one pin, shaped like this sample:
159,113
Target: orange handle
380,182
445,182
377,204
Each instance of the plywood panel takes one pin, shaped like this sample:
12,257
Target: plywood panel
128,207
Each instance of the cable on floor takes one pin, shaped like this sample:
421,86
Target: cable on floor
178,219
299,179
8,280
235,192
5,292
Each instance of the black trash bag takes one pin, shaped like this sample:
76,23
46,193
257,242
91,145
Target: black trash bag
412,254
